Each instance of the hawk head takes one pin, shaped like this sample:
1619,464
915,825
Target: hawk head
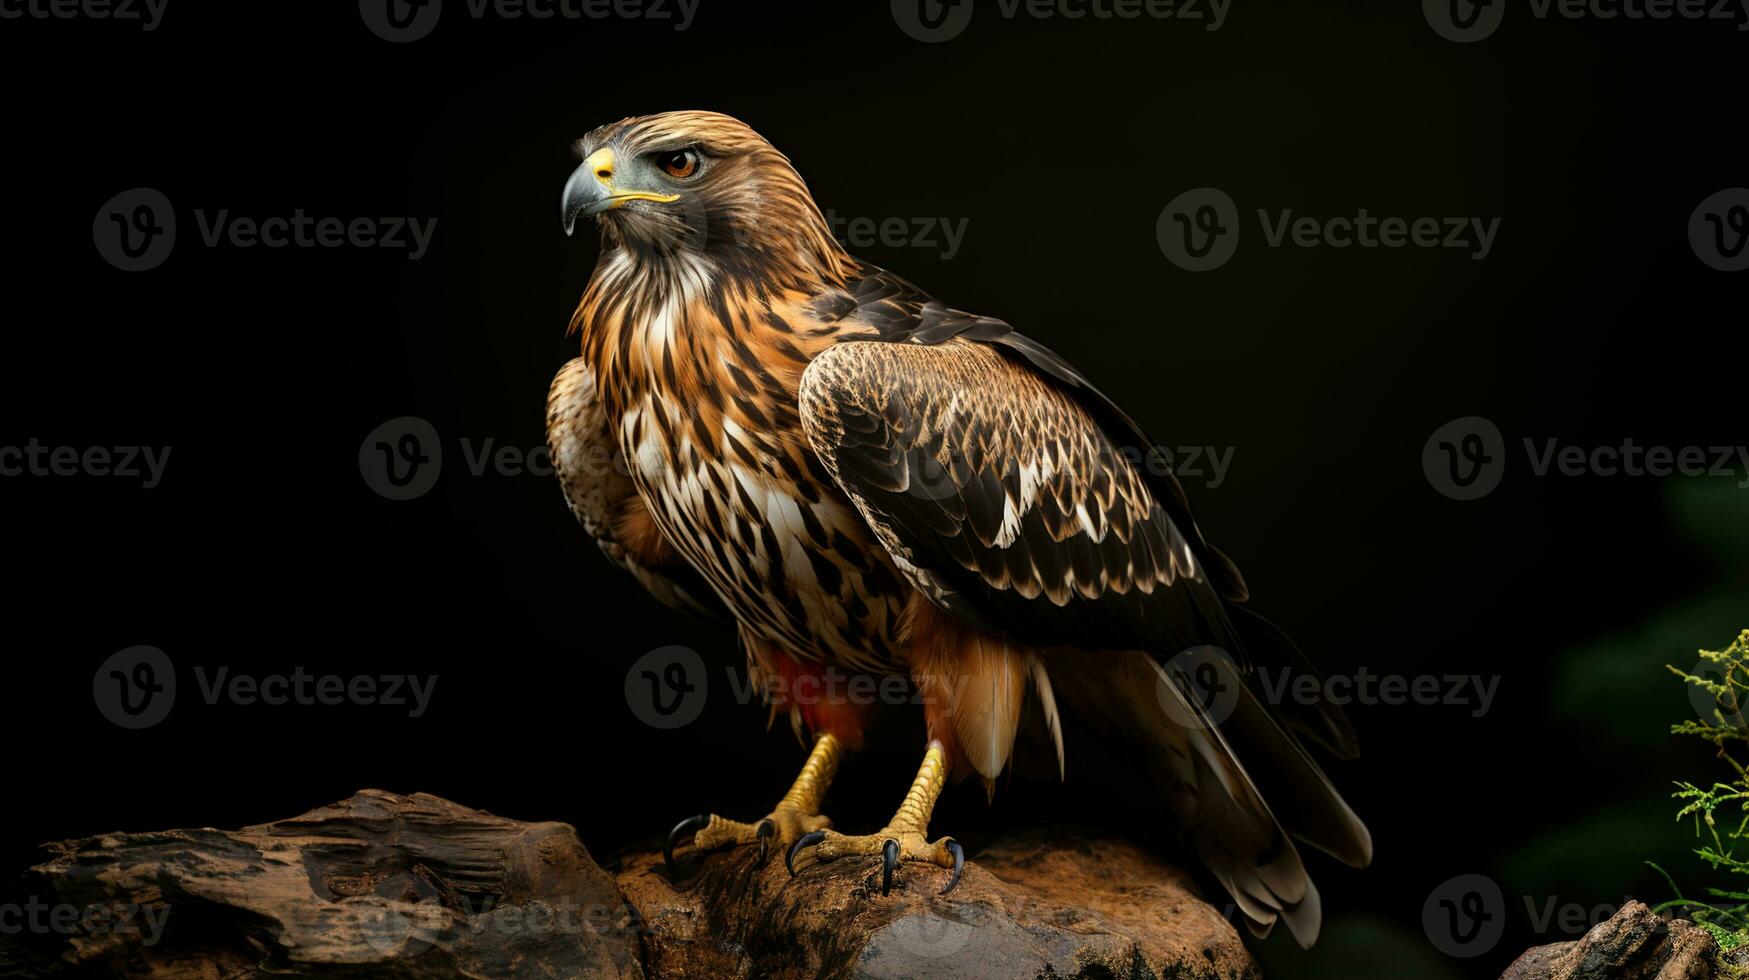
698,185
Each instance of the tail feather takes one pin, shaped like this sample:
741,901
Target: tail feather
1216,782
1266,647
1047,700
1236,833
1313,811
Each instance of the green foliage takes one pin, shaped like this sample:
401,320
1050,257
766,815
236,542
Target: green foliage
1722,809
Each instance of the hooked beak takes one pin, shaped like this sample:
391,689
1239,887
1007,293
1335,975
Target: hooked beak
590,190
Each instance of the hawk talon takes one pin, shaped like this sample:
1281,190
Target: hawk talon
806,840
766,830
889,861
959,864
681,829
893,845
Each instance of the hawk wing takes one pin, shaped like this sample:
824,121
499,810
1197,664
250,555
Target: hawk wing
1004,501
1007,489
601,494
1011,490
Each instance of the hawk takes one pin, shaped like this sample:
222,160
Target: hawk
762,428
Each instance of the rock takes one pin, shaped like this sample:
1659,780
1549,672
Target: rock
1634,944
388,886
1051,903
379,885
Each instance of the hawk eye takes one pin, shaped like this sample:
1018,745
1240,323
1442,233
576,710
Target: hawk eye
680,163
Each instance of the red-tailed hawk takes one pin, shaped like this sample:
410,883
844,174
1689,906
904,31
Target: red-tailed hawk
866,480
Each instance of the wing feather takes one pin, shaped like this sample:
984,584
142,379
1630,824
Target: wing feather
600,493
1003,498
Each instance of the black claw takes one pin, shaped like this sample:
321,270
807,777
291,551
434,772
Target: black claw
889,861
959,864
681,829
808,839
766,831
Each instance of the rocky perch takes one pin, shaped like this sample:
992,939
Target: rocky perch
391,886
1634,944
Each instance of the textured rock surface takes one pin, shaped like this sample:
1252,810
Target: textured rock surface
379,885
1633,944
1080,907
392,886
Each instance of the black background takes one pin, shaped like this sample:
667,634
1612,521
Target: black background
1059,142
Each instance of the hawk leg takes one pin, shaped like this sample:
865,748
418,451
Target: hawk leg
903,838
796,815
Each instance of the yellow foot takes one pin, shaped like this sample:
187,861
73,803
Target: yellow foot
902,839
710,832
893,844
795,816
